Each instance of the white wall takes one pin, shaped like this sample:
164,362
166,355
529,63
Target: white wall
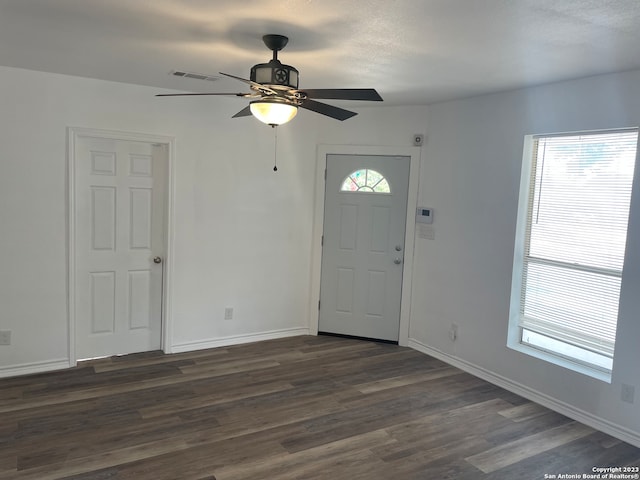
242,232
470,176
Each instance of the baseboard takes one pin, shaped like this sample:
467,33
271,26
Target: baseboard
556,405
35,367
237,339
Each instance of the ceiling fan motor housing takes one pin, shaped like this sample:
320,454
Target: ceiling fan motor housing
275,73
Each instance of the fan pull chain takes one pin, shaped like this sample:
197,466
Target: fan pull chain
275,149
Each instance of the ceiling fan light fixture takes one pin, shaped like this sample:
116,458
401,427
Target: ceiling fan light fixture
273,111
274,86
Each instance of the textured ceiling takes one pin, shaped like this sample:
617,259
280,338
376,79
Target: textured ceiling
411,51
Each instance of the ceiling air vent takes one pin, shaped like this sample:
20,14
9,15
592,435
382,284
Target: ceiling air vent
196,76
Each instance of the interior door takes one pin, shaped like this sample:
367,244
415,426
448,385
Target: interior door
119,218
363,245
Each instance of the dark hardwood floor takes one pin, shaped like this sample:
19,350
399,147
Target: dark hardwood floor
296,408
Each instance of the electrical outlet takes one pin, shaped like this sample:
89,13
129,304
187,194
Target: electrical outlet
627,393
228,313
453,332
5,337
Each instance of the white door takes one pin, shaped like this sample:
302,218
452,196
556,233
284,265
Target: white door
363,245
119,219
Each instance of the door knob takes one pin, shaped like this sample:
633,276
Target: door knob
397,261
157,259
398,248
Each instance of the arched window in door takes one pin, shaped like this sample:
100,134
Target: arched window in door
365,181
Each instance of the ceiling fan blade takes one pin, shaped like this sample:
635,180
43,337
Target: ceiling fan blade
344,94
328,110
245,112
205,94
255,85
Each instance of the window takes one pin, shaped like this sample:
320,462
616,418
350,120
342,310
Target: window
365,180
570,251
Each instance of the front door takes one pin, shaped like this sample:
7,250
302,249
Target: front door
119,245
363,245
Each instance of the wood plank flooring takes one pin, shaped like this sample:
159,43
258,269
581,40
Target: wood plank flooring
296,408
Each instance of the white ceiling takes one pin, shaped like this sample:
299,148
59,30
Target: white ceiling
411,51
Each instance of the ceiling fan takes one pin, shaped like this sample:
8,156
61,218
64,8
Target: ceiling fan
275,97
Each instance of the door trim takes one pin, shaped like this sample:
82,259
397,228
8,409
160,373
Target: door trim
167,285
318,226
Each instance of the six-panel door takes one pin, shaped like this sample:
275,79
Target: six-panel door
119,188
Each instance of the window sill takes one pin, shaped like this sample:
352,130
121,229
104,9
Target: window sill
561,362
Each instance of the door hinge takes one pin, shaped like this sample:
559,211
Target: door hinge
322,241
325,174
318,304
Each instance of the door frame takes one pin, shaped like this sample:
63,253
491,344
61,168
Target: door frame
410,228
73,133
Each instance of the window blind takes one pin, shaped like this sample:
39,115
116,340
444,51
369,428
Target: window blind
576,233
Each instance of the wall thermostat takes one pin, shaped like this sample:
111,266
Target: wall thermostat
424,215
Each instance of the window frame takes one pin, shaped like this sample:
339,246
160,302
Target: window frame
515,327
